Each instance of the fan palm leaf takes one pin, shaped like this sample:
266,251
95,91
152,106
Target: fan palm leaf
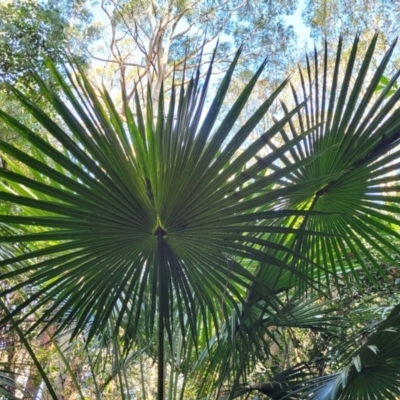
355,180
145,215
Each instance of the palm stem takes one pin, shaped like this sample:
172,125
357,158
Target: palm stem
162,299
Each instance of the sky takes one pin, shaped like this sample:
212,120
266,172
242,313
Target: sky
296,21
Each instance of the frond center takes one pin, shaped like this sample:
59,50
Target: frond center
160,231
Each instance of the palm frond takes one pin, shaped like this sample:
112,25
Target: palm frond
356,179
147,208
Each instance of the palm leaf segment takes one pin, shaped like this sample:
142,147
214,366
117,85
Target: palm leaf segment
127,211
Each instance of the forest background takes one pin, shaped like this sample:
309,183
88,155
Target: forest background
123,47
